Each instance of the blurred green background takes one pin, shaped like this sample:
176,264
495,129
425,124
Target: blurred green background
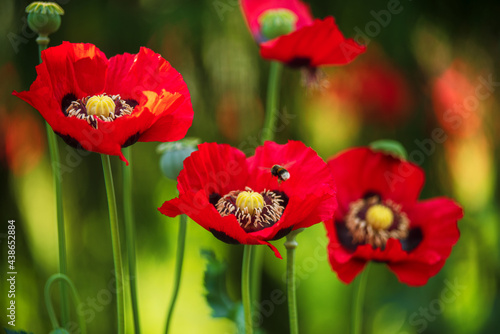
422,62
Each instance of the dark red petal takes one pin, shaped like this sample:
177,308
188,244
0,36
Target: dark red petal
172,120
344,264
252,9
437,218
217,168
310,188
65,69
361,170
131,75
163,113
75,68
198,208
415,273
307,170
321,43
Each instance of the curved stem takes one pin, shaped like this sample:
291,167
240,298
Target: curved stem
48,302
56,174
359,296
245,287
291,245
115,240
272,101
181,242
130,237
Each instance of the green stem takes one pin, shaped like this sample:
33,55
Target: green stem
359,296
291,245
272,101
130,238
245,287
56,174
181,242
115,240
48,302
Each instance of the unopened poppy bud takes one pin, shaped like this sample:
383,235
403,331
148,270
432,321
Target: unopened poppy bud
390,147
44,18
173,155
277,22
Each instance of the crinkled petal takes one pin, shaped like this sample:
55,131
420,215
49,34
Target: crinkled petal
360,171
321,43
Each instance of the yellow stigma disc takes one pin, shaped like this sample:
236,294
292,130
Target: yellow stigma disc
379,217
100,105
250,200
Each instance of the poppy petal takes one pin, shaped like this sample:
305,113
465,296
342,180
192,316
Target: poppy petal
315,45
364,171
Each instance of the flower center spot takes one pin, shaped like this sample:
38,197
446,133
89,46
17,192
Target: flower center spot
373,221
254,211
104,107
379,217
100,105
250,201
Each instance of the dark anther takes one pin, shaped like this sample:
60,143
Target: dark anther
66,102
132,103
214,198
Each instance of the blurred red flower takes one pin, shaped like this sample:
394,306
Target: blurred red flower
241,202
455,101
22,141
102,105
311,42
379,218
376,88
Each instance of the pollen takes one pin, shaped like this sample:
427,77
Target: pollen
100,105
250,200
379,217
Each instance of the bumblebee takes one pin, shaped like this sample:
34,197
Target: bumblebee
280,172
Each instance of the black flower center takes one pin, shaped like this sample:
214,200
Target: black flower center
373,221
96,108
254,211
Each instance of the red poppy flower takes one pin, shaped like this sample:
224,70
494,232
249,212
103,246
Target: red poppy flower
379,218
311,42
240,201
103,105
456,101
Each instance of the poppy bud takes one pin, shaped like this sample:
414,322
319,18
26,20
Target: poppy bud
44,18
173,155
277,22
390,147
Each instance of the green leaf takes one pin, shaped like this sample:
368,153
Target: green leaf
215,282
